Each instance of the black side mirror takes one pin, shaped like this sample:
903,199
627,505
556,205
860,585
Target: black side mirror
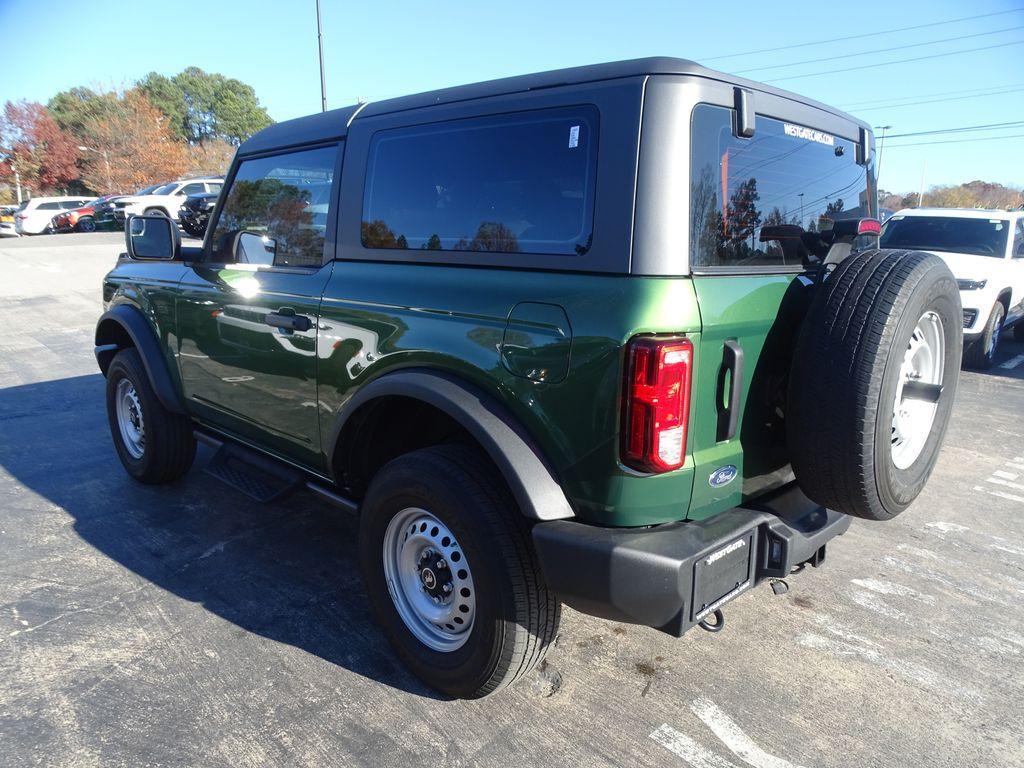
152,237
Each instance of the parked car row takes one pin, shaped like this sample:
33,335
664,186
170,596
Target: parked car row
44,215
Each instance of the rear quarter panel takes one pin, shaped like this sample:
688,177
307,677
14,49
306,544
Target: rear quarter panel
454,319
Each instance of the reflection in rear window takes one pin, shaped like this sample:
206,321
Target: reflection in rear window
516,183
785,174
979,237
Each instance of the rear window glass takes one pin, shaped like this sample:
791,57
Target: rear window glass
785,174
979,237
517,183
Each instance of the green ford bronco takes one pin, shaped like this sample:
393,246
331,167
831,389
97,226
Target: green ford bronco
617,336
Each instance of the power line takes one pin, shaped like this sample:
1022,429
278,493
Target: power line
897,61
935,101
966,128
874,102
880,50
862,35
957,141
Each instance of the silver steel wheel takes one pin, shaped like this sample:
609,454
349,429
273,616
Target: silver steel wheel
129,419
429,580
913,415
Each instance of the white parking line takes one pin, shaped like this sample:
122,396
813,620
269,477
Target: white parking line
1005,475
888,588
734,738
682,745
938,525
1007,483
1013,362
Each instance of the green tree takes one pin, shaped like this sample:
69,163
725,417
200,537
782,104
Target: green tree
76,108
206,106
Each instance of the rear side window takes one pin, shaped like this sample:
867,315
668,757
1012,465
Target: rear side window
515,183
276,209
785,174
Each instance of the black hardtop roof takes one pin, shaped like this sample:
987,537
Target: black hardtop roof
334,124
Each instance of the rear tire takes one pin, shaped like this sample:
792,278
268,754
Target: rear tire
858,443
449,502
981,352
154,445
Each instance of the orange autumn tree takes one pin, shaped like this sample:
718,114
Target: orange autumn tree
139,147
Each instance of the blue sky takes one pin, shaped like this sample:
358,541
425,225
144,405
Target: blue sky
380,49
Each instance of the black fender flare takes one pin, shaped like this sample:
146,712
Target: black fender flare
132,322
518,458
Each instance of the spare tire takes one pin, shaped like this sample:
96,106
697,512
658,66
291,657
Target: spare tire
872,382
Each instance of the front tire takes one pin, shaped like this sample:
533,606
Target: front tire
451,573
981,352
154,445
86,224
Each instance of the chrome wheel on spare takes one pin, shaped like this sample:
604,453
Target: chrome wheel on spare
914,415
129,419
429,580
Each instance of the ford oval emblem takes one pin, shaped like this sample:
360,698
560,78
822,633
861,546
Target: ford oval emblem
722,476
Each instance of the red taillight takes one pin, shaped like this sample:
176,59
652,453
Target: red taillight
656,403
869,227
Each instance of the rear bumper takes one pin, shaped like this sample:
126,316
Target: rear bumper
672,576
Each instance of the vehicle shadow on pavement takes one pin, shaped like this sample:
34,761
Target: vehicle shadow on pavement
286,571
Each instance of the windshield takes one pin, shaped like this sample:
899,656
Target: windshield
954,234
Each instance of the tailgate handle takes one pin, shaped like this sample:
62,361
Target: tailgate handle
729,403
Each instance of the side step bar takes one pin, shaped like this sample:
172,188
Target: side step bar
261,477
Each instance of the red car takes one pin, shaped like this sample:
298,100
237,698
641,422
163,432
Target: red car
77,219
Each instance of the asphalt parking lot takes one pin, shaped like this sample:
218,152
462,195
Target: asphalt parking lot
185,625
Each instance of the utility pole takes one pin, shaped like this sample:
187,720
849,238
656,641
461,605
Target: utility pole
881,146
320,44
920,195
801,196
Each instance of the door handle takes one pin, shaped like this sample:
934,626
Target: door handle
286,319
729,409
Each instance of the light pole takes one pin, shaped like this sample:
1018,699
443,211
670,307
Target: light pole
110,184
14,167
881,146
320,44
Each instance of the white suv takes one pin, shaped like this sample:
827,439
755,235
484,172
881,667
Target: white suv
165,200
985,251
33,216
